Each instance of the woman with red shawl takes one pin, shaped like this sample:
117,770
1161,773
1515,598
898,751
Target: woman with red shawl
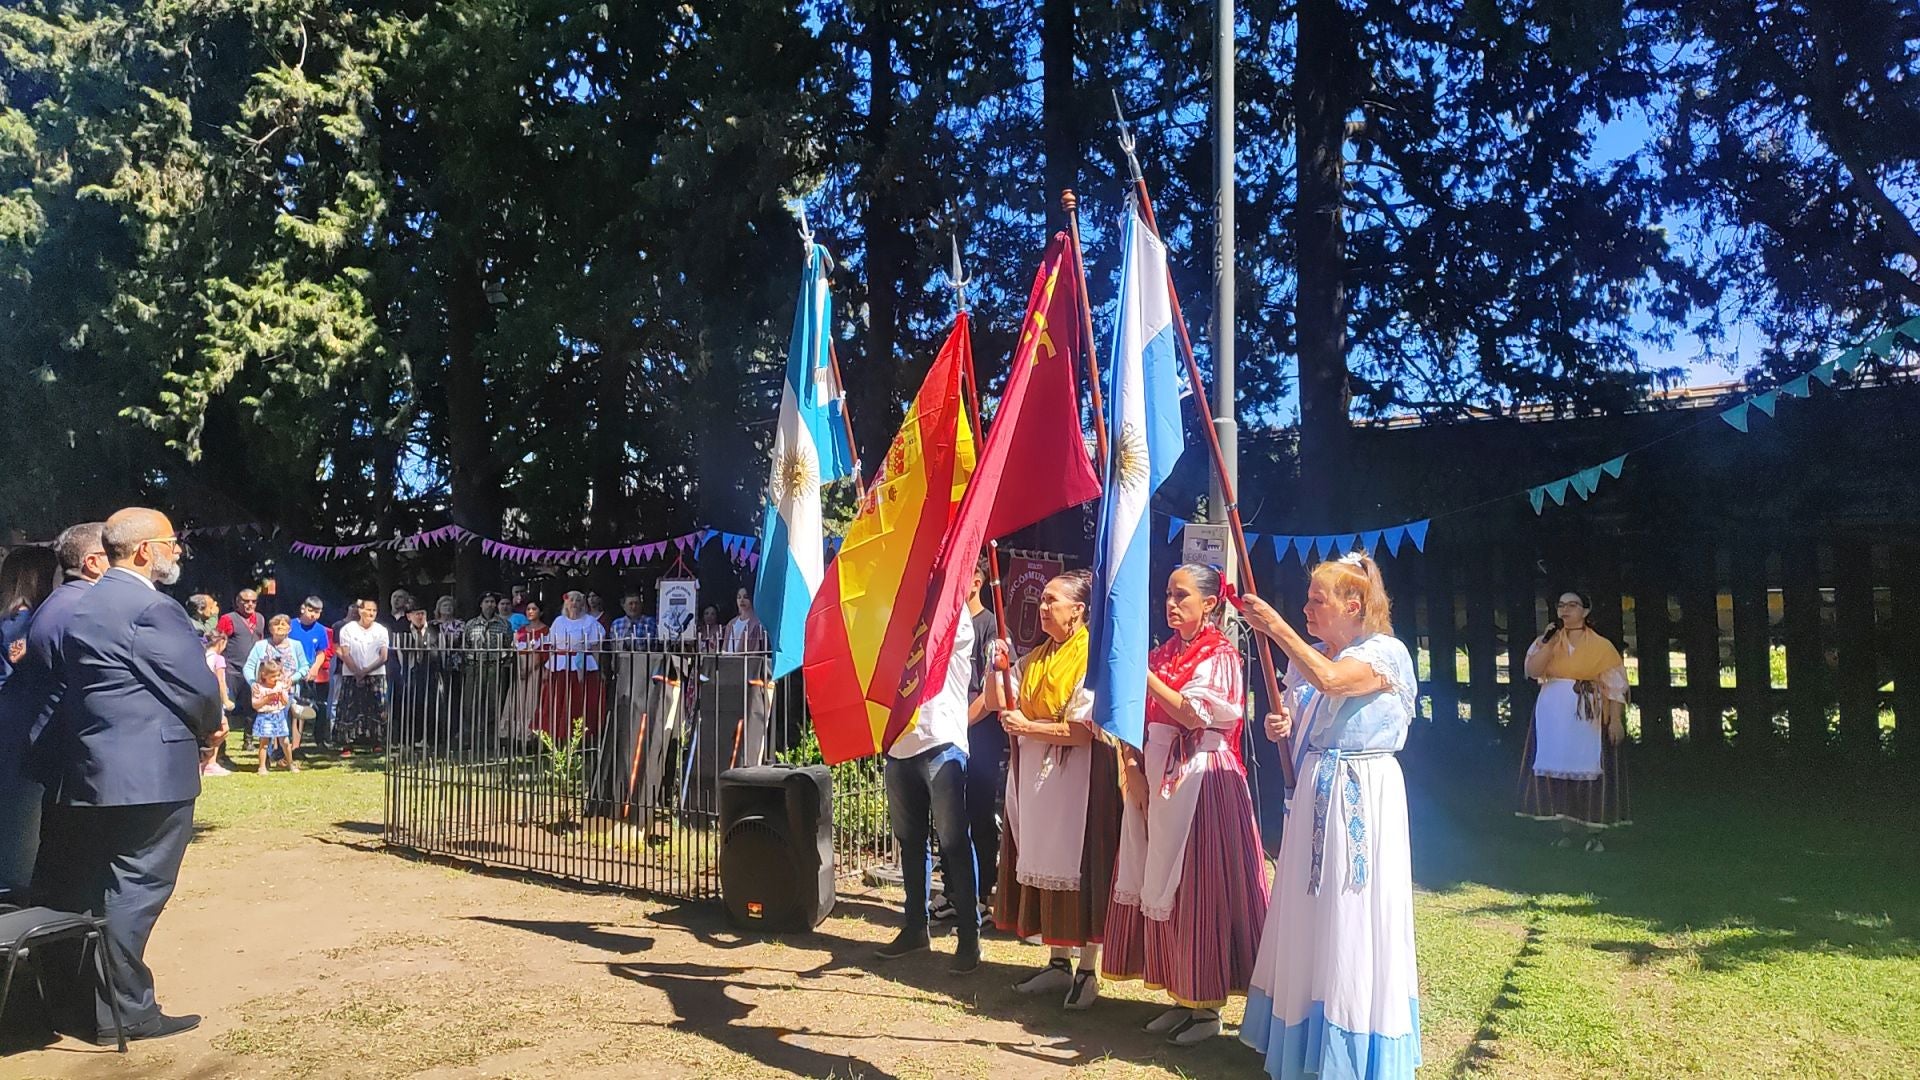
1189,891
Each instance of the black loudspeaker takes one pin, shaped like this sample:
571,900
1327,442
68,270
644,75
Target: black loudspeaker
776,846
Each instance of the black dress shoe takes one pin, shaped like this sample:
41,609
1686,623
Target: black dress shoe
157,1028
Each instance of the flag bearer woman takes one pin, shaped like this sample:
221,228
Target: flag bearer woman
1334,992
1189,891
1063,801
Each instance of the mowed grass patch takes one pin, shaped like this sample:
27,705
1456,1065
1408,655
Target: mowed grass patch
1756,920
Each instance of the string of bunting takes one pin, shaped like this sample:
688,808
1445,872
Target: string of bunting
1584,482
739,547
1287,545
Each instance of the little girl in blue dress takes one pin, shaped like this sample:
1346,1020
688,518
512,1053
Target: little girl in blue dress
272,699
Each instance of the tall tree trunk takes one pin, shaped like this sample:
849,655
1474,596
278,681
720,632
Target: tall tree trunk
606,522
729,480
873,388
1060,132
474,474
386,486
1323,96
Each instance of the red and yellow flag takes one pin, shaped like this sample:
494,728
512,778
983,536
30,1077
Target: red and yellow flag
863,618
1036,441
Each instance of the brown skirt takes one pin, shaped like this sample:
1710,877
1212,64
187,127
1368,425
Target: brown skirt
1077,917
1598,803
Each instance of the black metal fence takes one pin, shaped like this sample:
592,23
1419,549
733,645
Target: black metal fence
598,764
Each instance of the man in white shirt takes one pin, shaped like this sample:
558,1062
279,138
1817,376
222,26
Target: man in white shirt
927,773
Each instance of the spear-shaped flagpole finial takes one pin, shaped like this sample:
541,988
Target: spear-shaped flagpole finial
1126,142
956,280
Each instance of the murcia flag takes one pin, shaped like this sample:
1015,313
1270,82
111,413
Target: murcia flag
809,449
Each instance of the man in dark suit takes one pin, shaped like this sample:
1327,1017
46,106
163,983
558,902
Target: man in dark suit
28,700
121,761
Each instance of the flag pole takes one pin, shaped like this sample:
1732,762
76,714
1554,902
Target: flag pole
1237,530
959,282
833,358
1071,204
846,416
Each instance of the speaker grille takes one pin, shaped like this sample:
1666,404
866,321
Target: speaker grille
760,879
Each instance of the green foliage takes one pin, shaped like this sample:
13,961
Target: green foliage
355,267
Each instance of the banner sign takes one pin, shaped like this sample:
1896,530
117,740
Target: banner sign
1022,580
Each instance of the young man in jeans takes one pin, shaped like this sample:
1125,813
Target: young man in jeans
927,773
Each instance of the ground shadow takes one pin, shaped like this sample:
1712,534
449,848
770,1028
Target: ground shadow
590,934
706,1002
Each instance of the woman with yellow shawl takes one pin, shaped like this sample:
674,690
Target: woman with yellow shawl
1573,766
1062,817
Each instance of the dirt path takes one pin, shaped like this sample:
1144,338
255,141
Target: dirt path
322,955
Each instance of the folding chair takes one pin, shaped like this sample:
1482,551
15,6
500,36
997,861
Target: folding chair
24,929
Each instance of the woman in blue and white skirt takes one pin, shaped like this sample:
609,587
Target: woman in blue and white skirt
1335,994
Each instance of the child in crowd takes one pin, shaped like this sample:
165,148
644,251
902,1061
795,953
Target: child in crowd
272,699
216,643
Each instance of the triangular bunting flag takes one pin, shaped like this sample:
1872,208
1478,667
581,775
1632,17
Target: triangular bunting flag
1881,345
1558,490
1174,525
1767,402
1824,373
1736,417
1580,485
1370,540
1392,537
1591,478
1849,360
1417,532
1911,328
1538,497
1612,468
1322,545
1300,546
1344,544
1282,545
1800,387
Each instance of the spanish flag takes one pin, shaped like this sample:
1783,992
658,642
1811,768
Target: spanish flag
1034,464
863,618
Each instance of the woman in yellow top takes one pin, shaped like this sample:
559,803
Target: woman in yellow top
1062,818
1573,765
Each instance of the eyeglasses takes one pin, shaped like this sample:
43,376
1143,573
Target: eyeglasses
171,541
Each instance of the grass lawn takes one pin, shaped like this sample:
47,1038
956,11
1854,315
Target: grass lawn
1750,924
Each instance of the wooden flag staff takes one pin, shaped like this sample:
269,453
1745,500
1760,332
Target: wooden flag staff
1002,662
1070,203
1237,530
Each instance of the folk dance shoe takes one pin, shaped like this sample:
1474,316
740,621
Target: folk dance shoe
1055,977
1199,1026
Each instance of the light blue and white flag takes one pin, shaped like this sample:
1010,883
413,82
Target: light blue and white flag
1147,439
809,449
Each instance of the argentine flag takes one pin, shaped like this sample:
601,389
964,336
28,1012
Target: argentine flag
809,449
1145,439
